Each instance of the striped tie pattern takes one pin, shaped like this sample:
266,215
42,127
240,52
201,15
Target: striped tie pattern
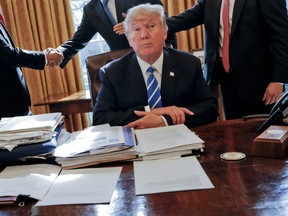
153,90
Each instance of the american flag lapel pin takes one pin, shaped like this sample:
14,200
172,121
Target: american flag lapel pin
171,74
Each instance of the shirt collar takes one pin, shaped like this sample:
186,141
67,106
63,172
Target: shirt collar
158,64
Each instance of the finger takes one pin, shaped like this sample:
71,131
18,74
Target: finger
268,100
187,111
133,124
180,116
140,113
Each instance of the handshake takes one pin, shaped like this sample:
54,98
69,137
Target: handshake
54,57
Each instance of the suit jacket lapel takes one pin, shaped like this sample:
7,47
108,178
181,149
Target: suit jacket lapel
121,7
101,14
238,7
214,17
169,79
135,78
6,35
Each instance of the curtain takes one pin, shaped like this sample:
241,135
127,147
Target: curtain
192,39
36,25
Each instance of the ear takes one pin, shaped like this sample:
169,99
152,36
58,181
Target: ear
165,35
130,42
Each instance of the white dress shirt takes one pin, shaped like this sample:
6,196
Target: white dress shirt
111,6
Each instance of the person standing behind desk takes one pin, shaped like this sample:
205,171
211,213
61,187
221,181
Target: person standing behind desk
14,94
184,96
257,51
95,19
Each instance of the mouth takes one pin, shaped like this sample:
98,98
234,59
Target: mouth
146,45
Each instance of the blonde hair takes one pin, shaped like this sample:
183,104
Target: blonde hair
144,11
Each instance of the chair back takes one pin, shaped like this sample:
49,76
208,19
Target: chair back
94,63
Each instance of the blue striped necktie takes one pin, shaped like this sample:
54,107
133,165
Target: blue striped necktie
108,12
153,90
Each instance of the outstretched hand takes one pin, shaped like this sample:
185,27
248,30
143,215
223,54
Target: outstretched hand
54,57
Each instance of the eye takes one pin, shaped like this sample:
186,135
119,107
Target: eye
136,30
151,26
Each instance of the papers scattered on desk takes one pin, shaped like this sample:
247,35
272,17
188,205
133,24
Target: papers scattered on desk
44,183
82,186
175,174
30,180
96,144
165,142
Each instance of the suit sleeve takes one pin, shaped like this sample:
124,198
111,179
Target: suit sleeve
16,57
198,96
107,110
205,108
81,37
186,20
275,20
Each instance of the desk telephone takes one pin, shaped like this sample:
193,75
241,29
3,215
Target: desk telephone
278,114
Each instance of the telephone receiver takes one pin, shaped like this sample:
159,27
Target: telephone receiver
278,114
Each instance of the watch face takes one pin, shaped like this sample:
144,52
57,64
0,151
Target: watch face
232,156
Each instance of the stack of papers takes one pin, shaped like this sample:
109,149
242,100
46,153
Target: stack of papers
96,144
23,130
165,142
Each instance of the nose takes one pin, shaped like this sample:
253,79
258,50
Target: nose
144,33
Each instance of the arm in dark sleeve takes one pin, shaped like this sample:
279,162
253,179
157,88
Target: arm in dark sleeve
205,107
186,20
16,57
199,98
107,108
277,30
80,39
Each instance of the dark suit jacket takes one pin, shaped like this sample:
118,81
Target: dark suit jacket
258,42
123,90
14,94
95,20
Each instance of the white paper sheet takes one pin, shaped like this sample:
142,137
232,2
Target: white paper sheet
31,180
168,175
163,138
82,186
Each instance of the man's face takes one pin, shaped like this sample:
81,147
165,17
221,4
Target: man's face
147,37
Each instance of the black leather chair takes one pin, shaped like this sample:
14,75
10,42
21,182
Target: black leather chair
94,63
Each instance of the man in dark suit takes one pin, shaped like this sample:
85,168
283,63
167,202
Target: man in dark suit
123,98
14,94
95,20
257,51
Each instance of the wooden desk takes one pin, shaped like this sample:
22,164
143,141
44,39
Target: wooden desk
254,186
68,104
